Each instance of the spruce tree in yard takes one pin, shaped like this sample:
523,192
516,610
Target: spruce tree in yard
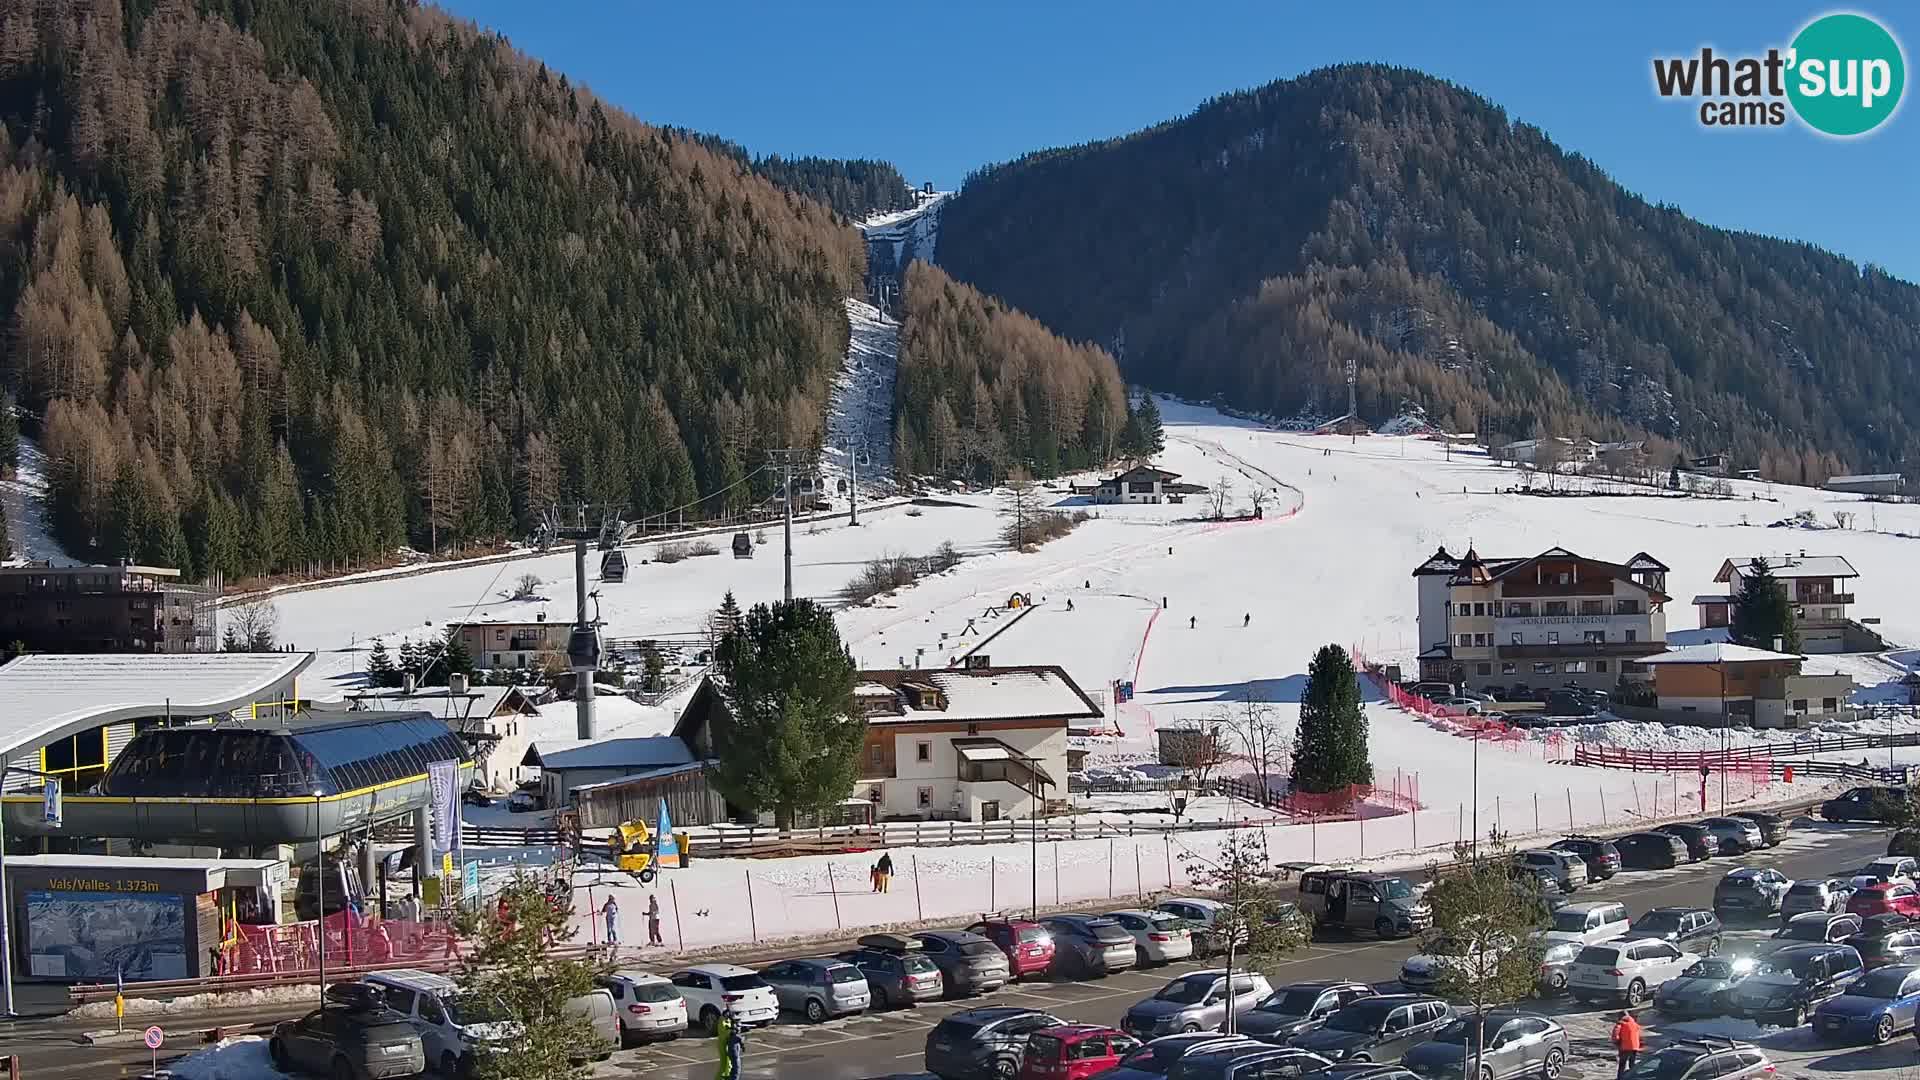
1330,744
1152,438
789,739
510,974
380,669
1762,612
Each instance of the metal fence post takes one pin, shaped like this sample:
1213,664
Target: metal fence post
753,920
917,907
834,889
1140,885
678,930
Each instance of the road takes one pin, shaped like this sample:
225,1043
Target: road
866,1047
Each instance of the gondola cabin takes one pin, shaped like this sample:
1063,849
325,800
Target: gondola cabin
742,546
613,566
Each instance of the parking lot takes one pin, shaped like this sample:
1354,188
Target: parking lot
890,1044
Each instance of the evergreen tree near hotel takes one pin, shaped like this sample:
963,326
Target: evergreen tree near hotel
1763,612
1330,746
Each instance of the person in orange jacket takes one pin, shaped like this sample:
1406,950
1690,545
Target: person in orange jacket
1628,1039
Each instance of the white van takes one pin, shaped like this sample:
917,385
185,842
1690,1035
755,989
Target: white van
449,1027
597,1006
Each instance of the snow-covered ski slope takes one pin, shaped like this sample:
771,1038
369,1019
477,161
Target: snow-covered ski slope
1330,563
860,416
913,233
24,499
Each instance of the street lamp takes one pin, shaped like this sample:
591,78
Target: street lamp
320,902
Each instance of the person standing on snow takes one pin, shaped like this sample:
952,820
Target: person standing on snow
885,870
611,912
1191,621
653,919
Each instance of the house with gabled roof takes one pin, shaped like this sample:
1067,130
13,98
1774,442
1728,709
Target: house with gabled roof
1819,586
1142,484
1548,620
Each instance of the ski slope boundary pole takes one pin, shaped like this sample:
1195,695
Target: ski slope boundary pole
679,931
834,889
753,919
1139,884
917,908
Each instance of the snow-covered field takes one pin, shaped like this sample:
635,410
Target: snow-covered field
1197,614
24,499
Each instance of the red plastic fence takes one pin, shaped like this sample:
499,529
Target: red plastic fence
1399,796
351,939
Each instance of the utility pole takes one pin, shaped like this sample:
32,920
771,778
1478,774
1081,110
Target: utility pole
786,461
583,640
1353,432
853,484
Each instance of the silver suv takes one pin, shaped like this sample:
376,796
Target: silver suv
1814,894
1195,1002
1568,870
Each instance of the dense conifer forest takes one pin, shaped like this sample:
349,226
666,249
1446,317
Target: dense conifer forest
1464,262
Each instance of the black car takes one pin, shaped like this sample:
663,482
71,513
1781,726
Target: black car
1601,856
473,796
1863,804
1378,1029
1819,927
371,1043
1364,1070
983,1043
1299,1007
1700,841
1651,851
1694,929
1786,985
1773,827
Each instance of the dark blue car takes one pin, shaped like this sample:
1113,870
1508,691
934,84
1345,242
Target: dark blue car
1874,1009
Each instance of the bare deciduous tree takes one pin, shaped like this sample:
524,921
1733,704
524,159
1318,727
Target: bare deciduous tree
251,628
1220,498
1258,732
526,587
1259,496
1020,506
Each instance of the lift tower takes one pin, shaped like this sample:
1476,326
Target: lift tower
582,525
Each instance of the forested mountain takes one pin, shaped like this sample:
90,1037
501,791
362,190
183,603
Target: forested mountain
291,282
852,187
1461,260
982,388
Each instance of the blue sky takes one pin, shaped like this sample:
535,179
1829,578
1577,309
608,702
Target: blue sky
941,89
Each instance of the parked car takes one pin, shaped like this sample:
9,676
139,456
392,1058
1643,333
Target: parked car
1773,827
1509,1043
373,1044
1815,895
1430,966
1893,868
1651,851
1155,1059
1887,897
1159,937
1568,870
1242,1061
711,990
1883,945
1904,842
1819,928
597,1009
1626,971
1299,1007
474,796
1863,804
1201,914
1198,1001
1704,989
1027,945
1737,836
1555,958
1718,1059
1387,904
1695,930
1362,1070
1538,884
1458,705
1750,892
450,1025
983,1044
1073,1052
1787,985
968,963
649,1006
1089,946
1601,856
1599,920
1378,1029
897,978
524,801
819,988
1874,1009
1701,844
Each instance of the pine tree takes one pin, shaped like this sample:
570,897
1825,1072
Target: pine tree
1330,743
789,739
380,669
6,539
9,436
1152,438
409,659
1762,612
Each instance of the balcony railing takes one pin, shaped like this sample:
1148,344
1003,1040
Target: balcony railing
1574,650
1824,598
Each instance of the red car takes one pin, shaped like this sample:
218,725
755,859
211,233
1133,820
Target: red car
1028,946
1898,897
1074,1052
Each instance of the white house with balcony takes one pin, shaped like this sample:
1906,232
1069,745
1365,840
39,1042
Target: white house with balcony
1550,620
1819,586
975,744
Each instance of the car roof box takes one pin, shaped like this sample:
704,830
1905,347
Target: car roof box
889,942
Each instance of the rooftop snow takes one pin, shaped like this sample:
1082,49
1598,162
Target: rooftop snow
44,696
1798,566
1036,693
1716,653
638,753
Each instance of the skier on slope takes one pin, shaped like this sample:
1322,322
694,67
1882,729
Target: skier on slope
1246,620
1191,619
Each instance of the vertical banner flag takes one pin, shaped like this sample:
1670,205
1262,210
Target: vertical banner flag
443,814
666,846
52,809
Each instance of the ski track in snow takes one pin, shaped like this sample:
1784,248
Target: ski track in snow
25,499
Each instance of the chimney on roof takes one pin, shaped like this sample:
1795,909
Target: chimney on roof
540,617
408,684
457,684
